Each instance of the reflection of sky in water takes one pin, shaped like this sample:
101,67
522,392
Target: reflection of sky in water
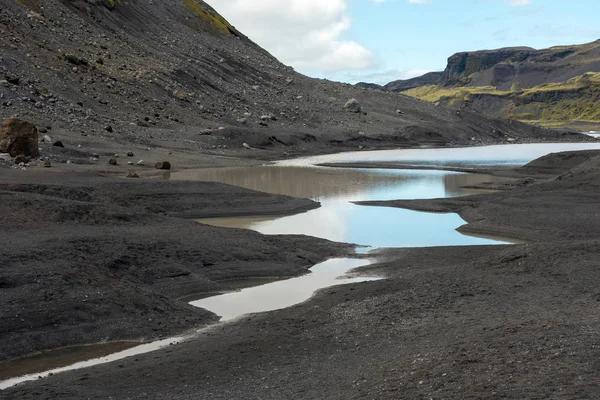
487,155
339,220
281,294
342,221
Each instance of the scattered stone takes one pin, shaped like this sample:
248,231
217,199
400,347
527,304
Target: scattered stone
108,129
37,16
162,165
112,161
21,159
132,174
5,157
141,163
242,121
58,143
511,140
47,164
75,60
69,162
246,145
130,154
399,112
263,123
129,162
206,131
353,106
289,81
47,139
15,80
19,137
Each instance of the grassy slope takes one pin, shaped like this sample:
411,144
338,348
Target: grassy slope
578,99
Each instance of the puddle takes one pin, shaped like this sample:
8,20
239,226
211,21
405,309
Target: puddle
509,154
338,219
595,134
267,297
48,360
133,351
283,294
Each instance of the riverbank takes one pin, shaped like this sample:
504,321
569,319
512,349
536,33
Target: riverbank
454,322
89,259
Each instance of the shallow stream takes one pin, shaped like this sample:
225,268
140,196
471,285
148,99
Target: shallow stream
337,219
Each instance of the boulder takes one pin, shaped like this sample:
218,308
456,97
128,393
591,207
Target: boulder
162,165
18,137
353,106
21,159
5,157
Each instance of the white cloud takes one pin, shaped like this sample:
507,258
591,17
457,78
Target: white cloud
306,34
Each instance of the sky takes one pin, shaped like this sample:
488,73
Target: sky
383,40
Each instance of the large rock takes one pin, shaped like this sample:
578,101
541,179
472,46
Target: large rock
163,165
18,137
352,105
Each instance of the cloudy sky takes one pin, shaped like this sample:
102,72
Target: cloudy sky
383,40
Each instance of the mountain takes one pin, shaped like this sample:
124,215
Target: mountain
430,78
174,74
550,86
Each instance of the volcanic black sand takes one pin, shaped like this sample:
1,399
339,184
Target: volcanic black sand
88,258
516,321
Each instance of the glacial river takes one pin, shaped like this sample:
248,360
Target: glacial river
339,219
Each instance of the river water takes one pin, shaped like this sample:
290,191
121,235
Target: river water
339,219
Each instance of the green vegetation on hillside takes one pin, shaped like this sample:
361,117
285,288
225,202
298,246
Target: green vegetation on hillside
211,17
577,99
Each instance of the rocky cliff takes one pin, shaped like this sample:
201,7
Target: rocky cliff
555,85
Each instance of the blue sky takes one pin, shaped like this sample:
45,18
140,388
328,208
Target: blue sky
383,40
414,37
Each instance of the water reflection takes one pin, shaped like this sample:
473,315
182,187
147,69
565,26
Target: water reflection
347,184
338,219
282,294
511,154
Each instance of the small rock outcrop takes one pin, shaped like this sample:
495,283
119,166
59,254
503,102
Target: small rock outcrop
18,137
162,165
352,106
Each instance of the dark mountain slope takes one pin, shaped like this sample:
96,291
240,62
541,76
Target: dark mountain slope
430,78
162,74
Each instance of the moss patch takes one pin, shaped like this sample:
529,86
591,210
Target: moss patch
209,16
577,99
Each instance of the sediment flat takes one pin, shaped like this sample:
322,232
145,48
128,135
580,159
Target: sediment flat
513,321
